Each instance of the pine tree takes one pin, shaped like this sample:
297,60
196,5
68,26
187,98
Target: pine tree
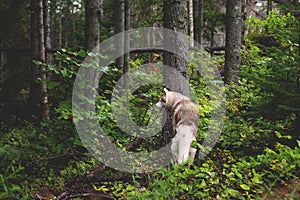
234,28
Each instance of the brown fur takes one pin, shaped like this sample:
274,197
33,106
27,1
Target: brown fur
185,117
183,110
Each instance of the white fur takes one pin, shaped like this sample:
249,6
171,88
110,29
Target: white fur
181,144
159,104
185,134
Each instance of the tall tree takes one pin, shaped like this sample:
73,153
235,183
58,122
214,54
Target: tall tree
248,8
128,21
199,26
234,26
92,34
120,27
175,18
92,31
38,99
191,22
47,23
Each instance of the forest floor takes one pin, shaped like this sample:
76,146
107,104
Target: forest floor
288,191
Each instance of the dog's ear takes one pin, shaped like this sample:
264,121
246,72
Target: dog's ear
166,90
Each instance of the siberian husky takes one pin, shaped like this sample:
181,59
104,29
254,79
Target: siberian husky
185,115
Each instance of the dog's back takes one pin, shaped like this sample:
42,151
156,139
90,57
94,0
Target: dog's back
185,117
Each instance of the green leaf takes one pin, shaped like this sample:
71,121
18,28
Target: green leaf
231,192
202,184
257,179
245,187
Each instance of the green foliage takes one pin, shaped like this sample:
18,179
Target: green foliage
223,176
259,146
31,155
9,186
272,63
246,128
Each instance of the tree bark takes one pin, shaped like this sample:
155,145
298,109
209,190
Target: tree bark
175,18
47,22
248,11
234,28
92,36
120,27
128,10
191,20
38,99
200,22
92,31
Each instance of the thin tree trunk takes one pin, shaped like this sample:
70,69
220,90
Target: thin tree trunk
38,99
74,25
67,23
175,18
234,27
191,20
201,11
127,39
60,36
132,13
248,11
46,44
120,27
47,22
92,34
34,95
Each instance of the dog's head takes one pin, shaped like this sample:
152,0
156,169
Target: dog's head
170,100
163,99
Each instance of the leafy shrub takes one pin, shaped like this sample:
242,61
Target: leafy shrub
273,68
222,176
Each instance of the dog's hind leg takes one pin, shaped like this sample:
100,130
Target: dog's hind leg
185,137
174,148
183,153
192,153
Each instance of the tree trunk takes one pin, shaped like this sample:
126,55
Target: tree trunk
200,22
45,44
175,18
38,100
248,11
128,5
47,22
132,23
92,36
92,31
120,27
191,20
234,28
132,13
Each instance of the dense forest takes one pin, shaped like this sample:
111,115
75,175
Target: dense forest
79,80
